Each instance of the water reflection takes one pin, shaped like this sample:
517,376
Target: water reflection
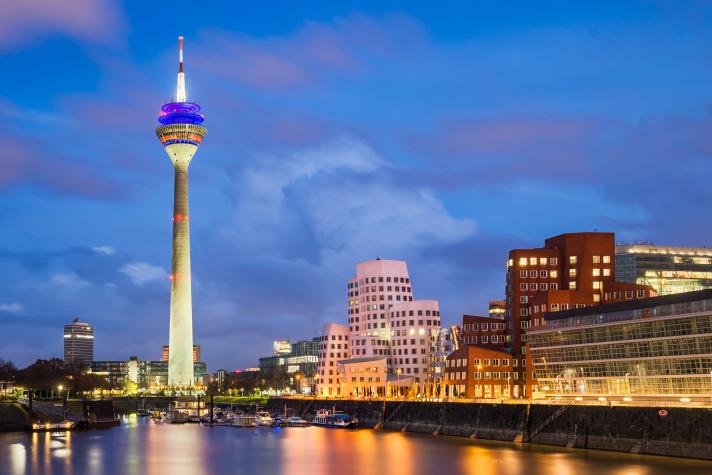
141,446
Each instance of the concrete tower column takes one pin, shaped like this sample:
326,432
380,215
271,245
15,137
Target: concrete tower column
180,359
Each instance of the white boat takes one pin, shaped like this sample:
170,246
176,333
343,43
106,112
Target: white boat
264,418
244,420
334,419
297,422
175,417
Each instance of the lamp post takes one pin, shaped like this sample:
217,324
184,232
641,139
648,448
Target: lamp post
298,377
398,372
64,402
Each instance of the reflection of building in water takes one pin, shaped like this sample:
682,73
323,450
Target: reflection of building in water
668,270
656,348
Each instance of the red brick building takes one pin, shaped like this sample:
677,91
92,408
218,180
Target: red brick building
487,332
570,271
474,372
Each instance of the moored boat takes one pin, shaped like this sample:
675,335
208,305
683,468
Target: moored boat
296,421
264,418
334,419
244,420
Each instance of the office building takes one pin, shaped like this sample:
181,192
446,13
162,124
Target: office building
149,376
658,349
180,133
488,332
291,372
78,343
666,269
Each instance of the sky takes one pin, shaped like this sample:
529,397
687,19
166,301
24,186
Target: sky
439,133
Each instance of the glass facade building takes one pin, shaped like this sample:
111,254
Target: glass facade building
668,270
658,348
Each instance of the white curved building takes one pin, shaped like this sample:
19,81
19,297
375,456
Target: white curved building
333,347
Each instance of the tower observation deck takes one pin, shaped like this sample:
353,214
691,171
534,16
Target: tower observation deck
181,134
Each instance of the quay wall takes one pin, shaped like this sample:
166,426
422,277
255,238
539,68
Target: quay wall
682,432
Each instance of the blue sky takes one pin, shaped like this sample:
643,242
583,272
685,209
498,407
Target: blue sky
441,133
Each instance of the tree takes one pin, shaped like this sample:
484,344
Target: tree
8,371
44,375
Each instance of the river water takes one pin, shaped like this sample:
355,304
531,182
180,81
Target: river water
140,446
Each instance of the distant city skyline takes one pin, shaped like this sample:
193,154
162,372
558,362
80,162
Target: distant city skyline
438,134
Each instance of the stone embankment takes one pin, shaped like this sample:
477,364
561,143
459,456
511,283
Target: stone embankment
674,432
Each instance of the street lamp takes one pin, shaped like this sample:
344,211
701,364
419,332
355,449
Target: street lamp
298,377
398,373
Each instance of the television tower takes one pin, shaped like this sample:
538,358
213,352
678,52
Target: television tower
180,134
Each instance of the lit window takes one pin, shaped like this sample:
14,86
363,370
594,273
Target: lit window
572,272
596,272
523,261
542,261
596,284
606,259
554,274
510,262
596,297
596,259
572,285
532,261
572,260
606,272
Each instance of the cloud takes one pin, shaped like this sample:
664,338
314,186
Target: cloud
68,279
141,273
91,20
11,307
106,250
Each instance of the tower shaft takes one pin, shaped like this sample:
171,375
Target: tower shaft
180,360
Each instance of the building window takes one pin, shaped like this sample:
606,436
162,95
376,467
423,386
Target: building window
573,260
523,261
553,261
572,272
553,286
596,272
596,298
606,272
532,261
606,259
542,261
596,284
543,274
572,285
523,299
533,286
522,286
532,274
543,286
523,274
596,259
554,274
641,294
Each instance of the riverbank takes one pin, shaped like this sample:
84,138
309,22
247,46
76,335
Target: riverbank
678,432
12,417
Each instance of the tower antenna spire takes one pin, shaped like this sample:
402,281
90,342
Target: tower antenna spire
180,88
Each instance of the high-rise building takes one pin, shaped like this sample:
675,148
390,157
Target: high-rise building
294,370
384,323
667,269
166,352
78,343
180,134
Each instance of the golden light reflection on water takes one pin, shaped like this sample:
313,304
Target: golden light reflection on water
144,447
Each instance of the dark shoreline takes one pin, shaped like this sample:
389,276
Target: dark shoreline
683,432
